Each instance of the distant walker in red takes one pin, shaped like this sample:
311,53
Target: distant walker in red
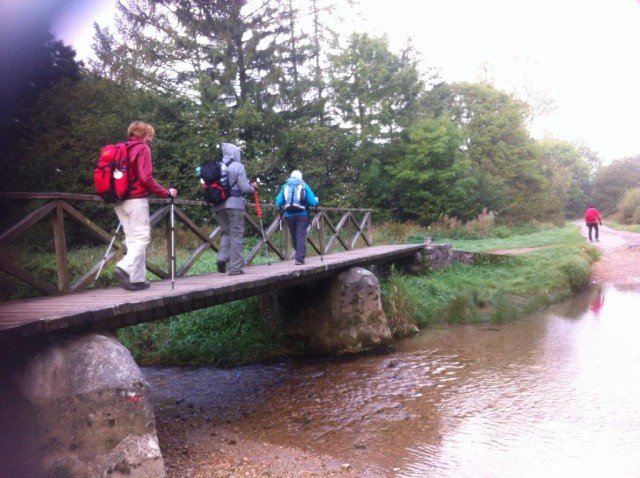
592,218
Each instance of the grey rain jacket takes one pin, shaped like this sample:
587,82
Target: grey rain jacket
237,177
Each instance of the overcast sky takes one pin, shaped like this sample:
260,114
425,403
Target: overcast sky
581,53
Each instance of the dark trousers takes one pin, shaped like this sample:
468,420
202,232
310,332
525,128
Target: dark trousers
298,229
592,226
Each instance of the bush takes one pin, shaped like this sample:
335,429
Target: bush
483,224
399,233
629,207
400,305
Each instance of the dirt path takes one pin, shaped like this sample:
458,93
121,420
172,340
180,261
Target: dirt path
620,262
203,450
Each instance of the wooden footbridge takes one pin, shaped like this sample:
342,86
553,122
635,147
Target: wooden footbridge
86,304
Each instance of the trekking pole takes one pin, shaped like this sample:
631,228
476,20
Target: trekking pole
173,241
106,254
259,213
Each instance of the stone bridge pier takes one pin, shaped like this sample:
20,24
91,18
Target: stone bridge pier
80,407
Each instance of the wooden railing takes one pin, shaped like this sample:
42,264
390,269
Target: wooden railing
331,229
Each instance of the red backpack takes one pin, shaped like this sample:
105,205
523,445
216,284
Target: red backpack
111,175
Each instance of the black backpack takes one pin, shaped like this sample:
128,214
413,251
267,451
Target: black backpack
215,182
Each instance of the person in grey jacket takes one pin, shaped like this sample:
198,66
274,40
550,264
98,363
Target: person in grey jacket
230,213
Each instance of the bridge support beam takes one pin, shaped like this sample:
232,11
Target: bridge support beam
80,408
337,316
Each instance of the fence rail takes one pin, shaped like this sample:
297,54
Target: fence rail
330,230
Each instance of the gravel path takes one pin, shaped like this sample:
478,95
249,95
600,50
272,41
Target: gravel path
620,261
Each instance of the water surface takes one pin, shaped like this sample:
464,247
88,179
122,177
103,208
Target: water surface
554,394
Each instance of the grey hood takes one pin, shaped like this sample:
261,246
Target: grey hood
230,152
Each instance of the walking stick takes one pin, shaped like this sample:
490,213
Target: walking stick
173,241
106,254
259,213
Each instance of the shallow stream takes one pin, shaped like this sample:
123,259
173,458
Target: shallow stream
554,394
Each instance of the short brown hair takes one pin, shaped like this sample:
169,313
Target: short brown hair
140,129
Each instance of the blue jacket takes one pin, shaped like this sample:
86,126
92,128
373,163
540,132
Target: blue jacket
312,200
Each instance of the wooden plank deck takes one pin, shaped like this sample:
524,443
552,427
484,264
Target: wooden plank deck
31,321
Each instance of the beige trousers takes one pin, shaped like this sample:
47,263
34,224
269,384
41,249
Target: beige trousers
134,217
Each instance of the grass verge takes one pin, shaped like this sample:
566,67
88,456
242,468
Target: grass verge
490,290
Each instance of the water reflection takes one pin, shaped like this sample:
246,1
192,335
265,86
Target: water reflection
597,302
550,395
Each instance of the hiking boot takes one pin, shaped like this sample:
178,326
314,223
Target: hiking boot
299,263
222,267
121,276
236,273
139,285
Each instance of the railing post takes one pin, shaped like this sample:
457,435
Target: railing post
60,241
321,232
286,241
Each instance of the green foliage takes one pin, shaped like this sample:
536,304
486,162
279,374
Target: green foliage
493,289
623,227
226,334
612,181
399,303
502,237
629,207
503,172
425,181
568,174
373,88
323,154
392,232
359,122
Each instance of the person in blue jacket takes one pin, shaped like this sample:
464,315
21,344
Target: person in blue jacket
295,197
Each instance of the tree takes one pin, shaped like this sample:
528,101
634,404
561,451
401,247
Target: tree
238,60
373,97
424,183
504,169
539,105
568,174
612,181
374,90
629,207
72,122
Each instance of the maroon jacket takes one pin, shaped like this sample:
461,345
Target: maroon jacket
141,171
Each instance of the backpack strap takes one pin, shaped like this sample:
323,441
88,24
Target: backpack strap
231,185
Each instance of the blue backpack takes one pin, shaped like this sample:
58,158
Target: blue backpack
295,196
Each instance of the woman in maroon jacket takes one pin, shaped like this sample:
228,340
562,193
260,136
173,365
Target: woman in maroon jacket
592,218
133,212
